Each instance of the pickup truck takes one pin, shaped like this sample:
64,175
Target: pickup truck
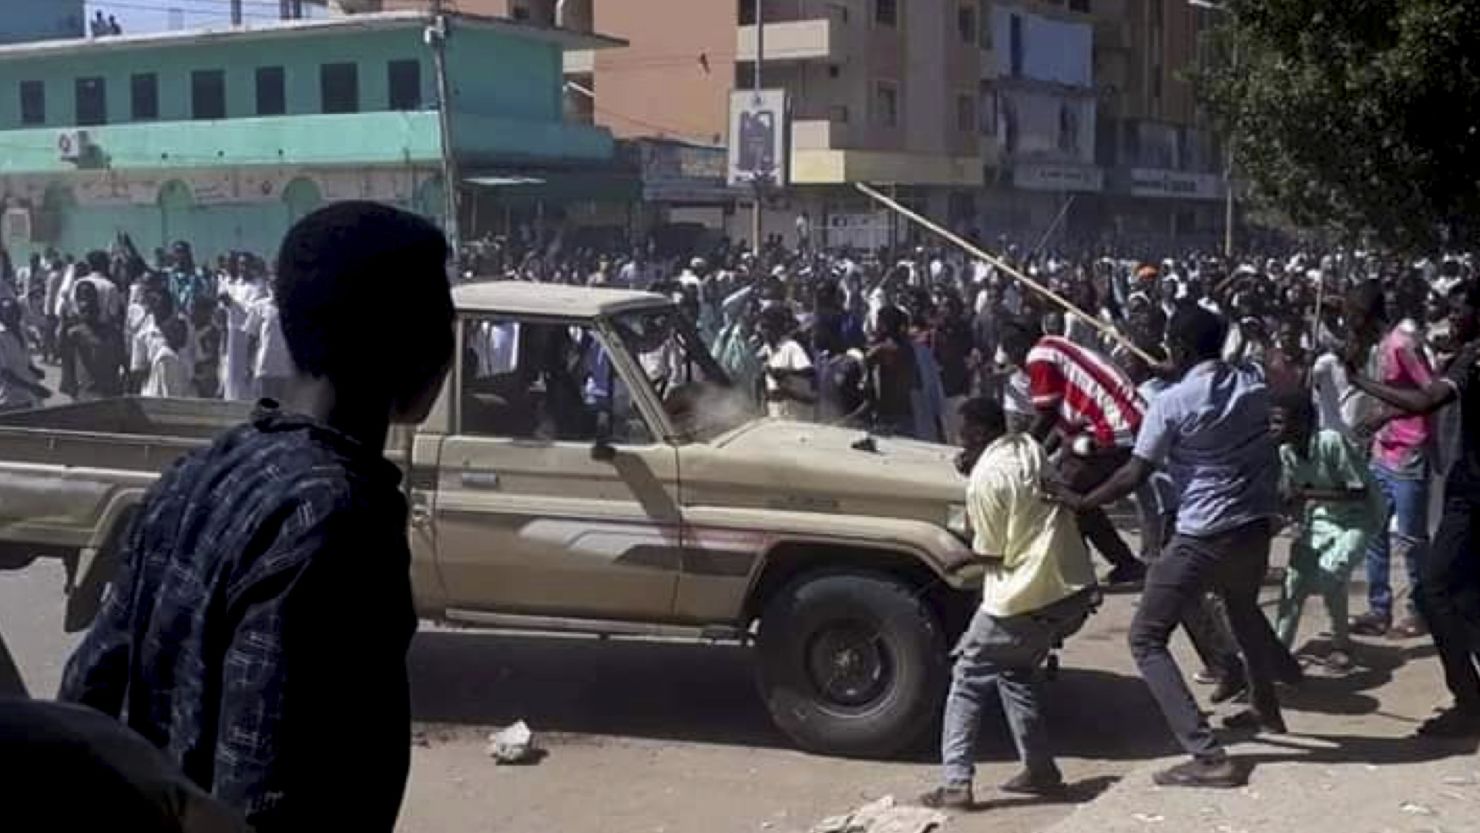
590,468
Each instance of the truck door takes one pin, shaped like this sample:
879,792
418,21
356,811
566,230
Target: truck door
533,516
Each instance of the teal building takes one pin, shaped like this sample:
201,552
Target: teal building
225,137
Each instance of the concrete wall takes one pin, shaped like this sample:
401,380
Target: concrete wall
659,86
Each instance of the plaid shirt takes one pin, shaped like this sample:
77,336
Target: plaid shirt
258,625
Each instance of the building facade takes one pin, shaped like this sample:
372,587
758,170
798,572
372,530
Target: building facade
1070,119
1164,166
225,137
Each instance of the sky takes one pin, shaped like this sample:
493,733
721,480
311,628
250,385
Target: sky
156,15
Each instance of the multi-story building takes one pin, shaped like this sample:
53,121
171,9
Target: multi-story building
1041,104
1165,167
1024,118
224,137
881,91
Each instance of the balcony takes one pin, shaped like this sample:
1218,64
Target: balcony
799,40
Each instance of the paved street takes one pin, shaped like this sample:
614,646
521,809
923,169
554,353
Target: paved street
658,737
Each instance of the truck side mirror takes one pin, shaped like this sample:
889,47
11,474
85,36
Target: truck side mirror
602,450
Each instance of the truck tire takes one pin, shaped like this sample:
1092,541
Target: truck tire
852,664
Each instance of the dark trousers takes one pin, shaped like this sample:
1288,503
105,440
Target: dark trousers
1232,564
1449,598
1084,474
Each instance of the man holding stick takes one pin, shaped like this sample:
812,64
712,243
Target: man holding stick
1210,431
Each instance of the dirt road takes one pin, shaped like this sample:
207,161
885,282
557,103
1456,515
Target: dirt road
647,737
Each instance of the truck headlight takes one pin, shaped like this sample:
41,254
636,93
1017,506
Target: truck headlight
957,522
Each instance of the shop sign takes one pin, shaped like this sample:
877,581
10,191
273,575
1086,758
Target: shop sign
1052,177
1153,182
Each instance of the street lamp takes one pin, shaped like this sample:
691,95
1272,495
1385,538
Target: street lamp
1229,208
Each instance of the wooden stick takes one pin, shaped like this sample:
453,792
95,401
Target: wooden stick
1107,330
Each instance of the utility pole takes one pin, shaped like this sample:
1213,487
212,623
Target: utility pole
1230,211
760,57
236,12
436,38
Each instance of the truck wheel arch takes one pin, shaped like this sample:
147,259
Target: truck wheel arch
788,560
95,564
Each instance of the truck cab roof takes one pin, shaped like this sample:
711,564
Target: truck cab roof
502,297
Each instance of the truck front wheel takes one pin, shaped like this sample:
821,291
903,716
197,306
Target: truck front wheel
852,664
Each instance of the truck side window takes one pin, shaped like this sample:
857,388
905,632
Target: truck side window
542,381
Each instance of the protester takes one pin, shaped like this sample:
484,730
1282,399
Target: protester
1088,409
1210,431
272,365
169,376
1401,462
1327,487
789,371
1449,594
92,354
223,638
20,381
1038,590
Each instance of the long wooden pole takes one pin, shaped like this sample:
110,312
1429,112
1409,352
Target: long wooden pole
1107,330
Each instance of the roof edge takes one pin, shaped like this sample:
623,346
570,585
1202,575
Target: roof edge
364,22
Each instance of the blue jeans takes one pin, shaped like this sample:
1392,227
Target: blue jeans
1409,500
1005,652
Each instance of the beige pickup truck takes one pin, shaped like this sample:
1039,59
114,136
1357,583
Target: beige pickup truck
590,468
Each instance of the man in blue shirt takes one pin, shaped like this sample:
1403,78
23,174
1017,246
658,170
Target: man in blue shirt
1210,433
222,640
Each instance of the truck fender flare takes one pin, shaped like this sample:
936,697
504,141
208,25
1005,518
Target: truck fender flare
89,573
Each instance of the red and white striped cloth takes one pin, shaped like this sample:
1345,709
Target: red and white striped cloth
1091,394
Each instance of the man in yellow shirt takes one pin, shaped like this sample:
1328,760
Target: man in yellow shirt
1038,589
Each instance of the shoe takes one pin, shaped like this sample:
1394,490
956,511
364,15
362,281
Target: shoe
948,798
1131,572
1454,722
1371,623
1255,720
1229,688
1339,660
1410,627
1027,782
1222,773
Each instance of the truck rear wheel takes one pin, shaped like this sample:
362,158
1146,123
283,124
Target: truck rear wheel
852,664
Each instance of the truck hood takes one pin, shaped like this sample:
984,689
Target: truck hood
807,467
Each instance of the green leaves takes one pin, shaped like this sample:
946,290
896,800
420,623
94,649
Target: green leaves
1358,115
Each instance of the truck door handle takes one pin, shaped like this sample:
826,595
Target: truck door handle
480,479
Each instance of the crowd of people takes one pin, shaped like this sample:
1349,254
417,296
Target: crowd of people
113,325
1230,399
1334,393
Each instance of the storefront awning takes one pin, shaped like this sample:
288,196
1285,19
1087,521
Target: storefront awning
557,186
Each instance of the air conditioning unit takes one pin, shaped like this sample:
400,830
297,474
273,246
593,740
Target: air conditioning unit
16,227
72,145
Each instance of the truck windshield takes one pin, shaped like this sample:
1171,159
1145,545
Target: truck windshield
701,399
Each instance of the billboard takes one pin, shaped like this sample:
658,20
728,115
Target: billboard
757,137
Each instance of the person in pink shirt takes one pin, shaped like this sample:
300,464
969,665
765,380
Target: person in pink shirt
1402,458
